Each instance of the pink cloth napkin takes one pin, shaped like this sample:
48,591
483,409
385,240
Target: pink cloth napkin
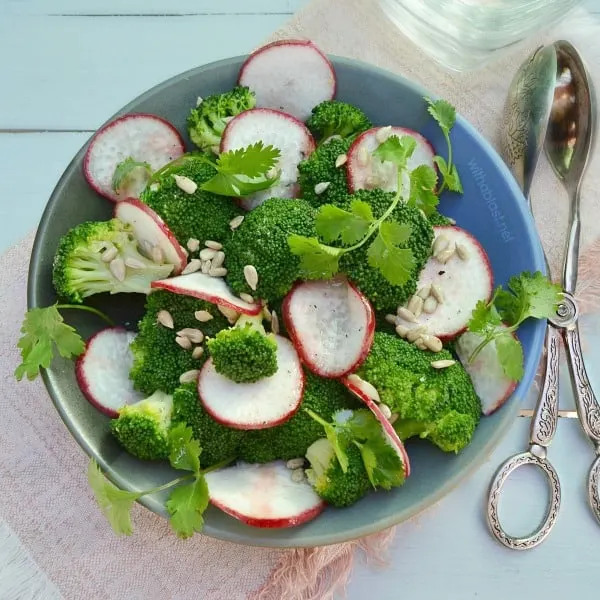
45,497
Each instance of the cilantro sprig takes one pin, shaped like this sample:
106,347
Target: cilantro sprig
355,227
529,296
187,502
445,115
44,332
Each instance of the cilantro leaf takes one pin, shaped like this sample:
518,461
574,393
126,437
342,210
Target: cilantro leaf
510,355
363,424
449,174
186,506
44,330
396,150
333,223
185,451
484,318
382,463
395,264
443,112
130,175
114,503
423,180
317,261
337,436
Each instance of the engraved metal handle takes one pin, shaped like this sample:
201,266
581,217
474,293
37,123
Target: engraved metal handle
594,487
503,473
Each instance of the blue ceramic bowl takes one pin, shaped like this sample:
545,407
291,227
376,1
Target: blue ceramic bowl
492,208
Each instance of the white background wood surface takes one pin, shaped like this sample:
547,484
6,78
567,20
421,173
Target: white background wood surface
65,66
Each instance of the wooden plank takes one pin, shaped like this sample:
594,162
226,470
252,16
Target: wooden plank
148,7
74,72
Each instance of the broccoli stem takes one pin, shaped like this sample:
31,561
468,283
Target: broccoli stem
90,309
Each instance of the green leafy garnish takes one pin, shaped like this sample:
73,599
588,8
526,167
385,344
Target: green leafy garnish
423,180
185,450
445,115
337,437
130,173
529,296
381,462
333,223
316,260
384,254
186,505
44,332
396,150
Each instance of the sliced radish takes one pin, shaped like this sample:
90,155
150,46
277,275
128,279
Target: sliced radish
151,231
211,289
273,128
143,137
492,386
368,172
462,282
260,405
102,371
332,325
363,390
289,75
263,495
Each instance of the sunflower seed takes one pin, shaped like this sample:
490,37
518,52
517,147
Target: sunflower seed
462,252
110,254
251,276
185,184
247,298
383,134
213,245
294,463
207,253
189,376
420,344
402,331
228,313
165,319
414,334
134,263
430,305
433,343
206,265
445,255
184,342
274,323
117,268
266,314
392,319
203,316
405,314
321,187
193,266
442,364
363,157
194,335
436,292
424,292
193,245
441,243
298,475
342,159
219,259
154,187
415,305
197,352
236,222
217,271
157,255
386,410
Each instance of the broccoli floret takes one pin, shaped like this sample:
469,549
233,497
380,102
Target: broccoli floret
218,442
320,167
245,353
329,481
291,439
438,405
201,215
143,428
158,361
383,295
207,122
261,241
79,271
333,117
437,219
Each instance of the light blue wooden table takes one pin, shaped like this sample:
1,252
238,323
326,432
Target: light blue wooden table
67,65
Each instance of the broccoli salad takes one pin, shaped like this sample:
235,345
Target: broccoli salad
309,311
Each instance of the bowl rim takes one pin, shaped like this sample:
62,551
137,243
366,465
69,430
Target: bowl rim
492,442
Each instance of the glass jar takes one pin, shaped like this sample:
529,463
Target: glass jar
464,35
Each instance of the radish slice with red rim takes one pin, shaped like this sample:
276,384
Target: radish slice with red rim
259,405
277,129
151,232
289,75
332,325
144,138
263,495
102,371
492,386
211,289
363,390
